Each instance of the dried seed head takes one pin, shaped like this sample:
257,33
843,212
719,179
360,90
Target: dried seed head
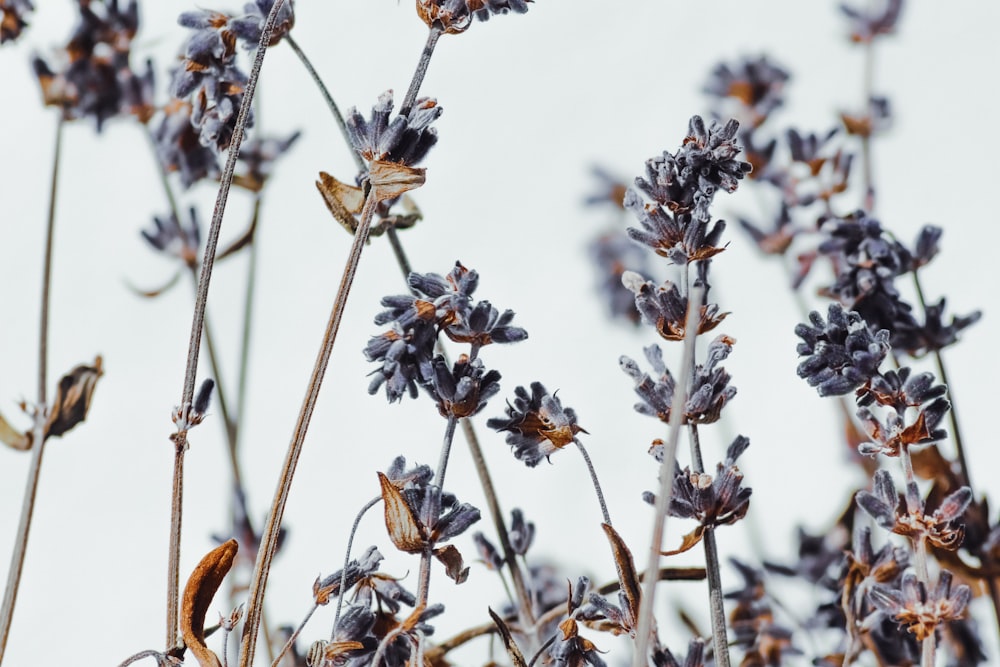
72,400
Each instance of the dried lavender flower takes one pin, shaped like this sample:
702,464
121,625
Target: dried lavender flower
463,389
257,158
521,533
12,18
756,84
939,529
867,24
537,425
172,238
842,353
179,148
455,16
488,554
713,501
665,308
250,26
695,656
404,140
920,611
613,254
710,389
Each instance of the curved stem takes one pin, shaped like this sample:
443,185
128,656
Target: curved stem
269,537
449,437
41,412
248,300
593,478
347,561
327,97
421,72
197,320
149,653
666,490
294,636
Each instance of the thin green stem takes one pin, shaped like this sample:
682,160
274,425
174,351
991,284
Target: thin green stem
666,490
418,76
41,410
269,537
593,479
197,320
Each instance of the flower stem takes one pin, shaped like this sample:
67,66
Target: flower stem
720,640
347,561
327,97
593,478
41,412
269,537
666,490
197,320
294,636
420,73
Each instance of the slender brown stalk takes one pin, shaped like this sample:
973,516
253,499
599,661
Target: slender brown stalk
327,97
593,479
666,490
418,76
294,636
269,536
38,430
197,321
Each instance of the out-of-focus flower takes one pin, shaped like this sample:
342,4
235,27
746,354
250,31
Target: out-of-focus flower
12,18
96,79
708,394
250,26
866,25
841,353
455,16
614,254
695,656
875,119
179,148
257,157
537,425
776,241
521,533
756,85
920,610
611,190
172,238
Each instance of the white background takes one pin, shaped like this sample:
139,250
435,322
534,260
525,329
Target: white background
530,104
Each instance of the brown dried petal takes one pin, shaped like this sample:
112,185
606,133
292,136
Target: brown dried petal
455,567
687,542
403,527
198,594
343,200
11,437
391,179
72,399
625,565
513,652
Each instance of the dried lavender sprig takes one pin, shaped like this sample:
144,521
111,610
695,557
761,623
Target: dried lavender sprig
40,416
645,622
194,342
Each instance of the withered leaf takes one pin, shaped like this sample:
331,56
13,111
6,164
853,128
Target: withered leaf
198,593
513,652
11,437
72,399
156,291
240,242
626,569
453,563
688,542
343,200
403,527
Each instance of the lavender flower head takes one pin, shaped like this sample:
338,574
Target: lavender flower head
755,84
537,425
403,140
455,16
841,353
12,18
250,26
